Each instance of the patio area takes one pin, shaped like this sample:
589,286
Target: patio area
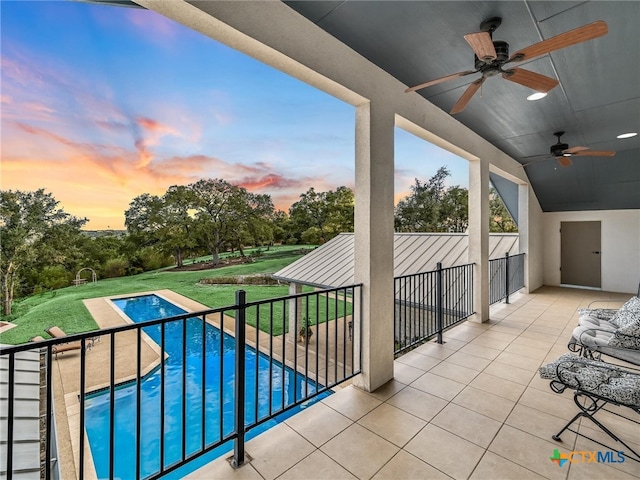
473,407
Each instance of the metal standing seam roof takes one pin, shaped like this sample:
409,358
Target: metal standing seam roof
331,265
26,439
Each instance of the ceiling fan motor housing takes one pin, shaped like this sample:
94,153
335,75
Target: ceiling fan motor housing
558,149
502,55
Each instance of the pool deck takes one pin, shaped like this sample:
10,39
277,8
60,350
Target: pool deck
66,372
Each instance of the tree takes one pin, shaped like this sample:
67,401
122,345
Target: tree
221,210
431,207
165,221
25,219
499,217
319,216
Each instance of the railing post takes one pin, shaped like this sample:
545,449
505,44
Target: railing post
506,279
238,447
439,301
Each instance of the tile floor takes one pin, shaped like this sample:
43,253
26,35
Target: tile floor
472,408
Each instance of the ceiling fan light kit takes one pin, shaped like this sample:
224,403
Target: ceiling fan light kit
490,57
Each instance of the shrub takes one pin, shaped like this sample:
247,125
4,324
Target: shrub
115,267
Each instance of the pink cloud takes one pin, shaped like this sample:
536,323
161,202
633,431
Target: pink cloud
153,22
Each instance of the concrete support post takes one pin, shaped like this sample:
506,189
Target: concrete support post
295,305
523,231
479,236
374,242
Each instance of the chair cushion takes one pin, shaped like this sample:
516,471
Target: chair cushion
628,313
595,322
590,337
592,376
599,313
627,336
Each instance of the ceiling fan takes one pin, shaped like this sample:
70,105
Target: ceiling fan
561,152
491,56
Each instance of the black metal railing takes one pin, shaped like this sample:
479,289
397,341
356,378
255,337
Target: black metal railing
179,387
506,276
428,303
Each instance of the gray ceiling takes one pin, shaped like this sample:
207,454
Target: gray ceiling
598,96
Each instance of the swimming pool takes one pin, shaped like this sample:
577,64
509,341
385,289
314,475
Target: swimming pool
283,384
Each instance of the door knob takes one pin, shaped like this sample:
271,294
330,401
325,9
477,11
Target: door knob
596,252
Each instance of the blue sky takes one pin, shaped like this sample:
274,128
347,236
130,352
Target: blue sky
101,104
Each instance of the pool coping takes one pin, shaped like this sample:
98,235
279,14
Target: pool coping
106,314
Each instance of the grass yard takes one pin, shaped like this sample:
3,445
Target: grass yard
64,307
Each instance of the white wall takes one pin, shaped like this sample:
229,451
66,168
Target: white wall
620,247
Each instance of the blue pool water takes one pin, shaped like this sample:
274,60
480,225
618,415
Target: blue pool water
97,417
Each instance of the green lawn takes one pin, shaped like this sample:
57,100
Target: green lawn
64,307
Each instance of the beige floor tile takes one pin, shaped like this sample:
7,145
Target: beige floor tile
470,361
454,372
318,423
488,404
438,386
453,344
498,386
438,448
561,406
599,471
527,351
498,335
481,351
465,423
405,373
221,468
388,390
434,350
416,402
538,423
619,423
628,466
417,360
529,451
352,402
458,334
509,372
494,466
519,361
490,342
360,451
317,466
277,450
392,424
407,467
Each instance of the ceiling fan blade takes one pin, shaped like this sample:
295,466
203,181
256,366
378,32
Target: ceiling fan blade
482,45
572,37
575,150
530,79
439,80
534,162
595,153
564,161
466,96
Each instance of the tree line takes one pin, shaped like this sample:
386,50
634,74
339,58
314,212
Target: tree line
42,247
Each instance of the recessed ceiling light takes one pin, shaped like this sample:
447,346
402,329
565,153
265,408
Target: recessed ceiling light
627,135
536,96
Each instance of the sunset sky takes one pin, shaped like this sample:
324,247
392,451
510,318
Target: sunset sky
100,104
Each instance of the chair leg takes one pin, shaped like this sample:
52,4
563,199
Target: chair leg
589,411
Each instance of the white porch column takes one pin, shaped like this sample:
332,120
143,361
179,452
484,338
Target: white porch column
523,231
479,236
295,305
374,242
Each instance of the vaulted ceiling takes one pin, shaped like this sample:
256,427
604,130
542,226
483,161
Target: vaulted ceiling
598,96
